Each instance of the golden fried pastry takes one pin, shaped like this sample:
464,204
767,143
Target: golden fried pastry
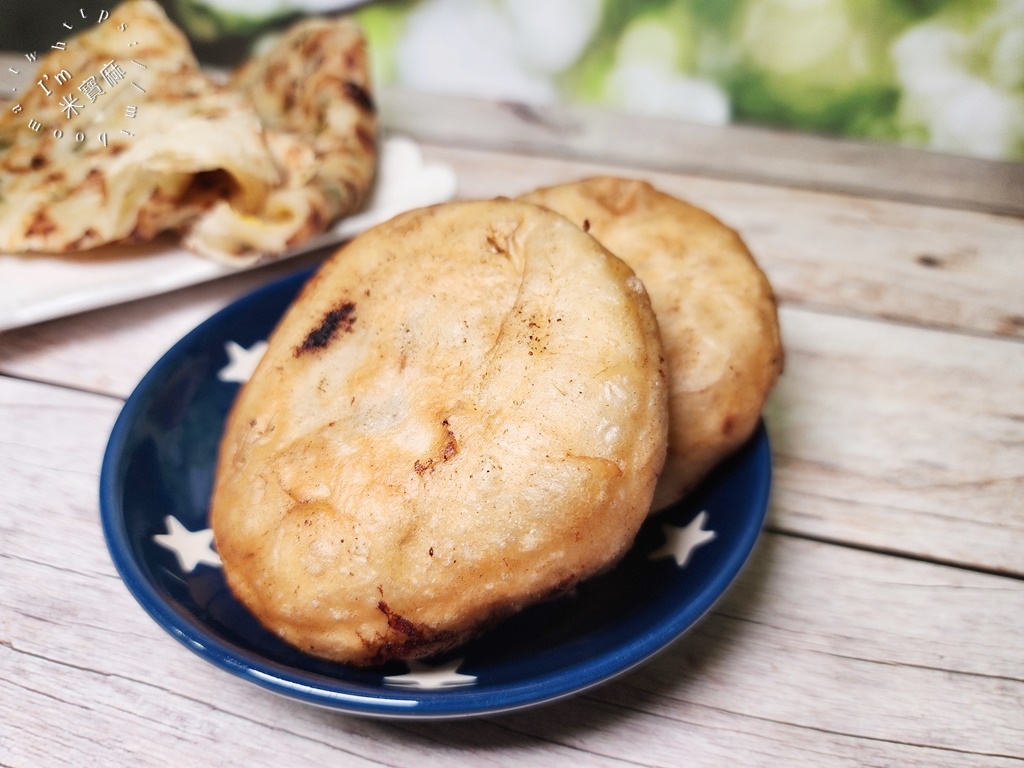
715,308
464,411
312,93
130,138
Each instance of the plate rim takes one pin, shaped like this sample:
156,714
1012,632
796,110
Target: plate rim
398,703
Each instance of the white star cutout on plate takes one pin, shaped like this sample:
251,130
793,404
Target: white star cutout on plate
680,542
422,676
242,361
190,547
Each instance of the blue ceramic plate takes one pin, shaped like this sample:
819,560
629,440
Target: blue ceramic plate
154,489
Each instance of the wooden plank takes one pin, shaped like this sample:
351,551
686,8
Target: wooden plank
820,655
772,157
901,439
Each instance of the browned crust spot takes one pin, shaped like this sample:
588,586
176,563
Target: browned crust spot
360,96
405,638
95,178
341,318
41,224
366,138
618,198
450,448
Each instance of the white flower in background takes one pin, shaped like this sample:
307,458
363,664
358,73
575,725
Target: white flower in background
465,47
961,89
551,36
1008,58
508,50
646,89
1002,36
645,78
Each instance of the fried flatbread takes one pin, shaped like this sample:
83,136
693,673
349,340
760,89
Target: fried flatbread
462,413
129,138
715,309
313,95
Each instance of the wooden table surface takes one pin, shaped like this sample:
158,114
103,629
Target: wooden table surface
880,621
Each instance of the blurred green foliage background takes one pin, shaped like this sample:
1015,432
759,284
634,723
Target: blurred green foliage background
944,75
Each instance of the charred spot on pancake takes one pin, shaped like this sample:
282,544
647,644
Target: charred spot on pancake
360,96
405,636
400,623
448,451
341,318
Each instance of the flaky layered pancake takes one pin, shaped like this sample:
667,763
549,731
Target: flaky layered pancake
126,138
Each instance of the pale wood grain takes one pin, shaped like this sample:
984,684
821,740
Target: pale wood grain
776,158
820,655
900,438
109,350
824,655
